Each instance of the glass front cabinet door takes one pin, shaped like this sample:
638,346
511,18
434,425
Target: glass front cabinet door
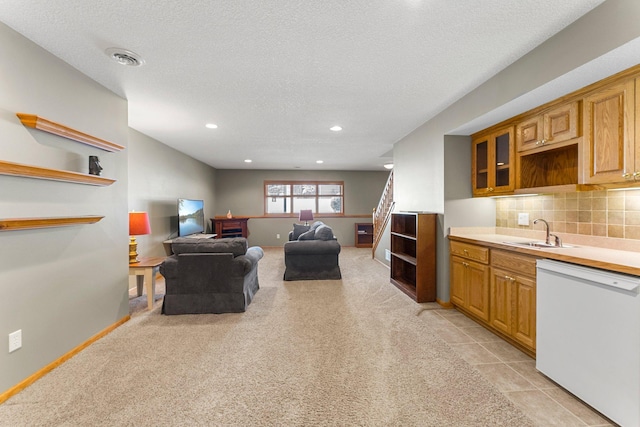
493,163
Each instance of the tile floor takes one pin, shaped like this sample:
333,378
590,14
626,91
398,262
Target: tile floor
512,372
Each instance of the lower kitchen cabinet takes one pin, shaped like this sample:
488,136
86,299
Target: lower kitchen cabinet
513,306
513,296
470,279
500,294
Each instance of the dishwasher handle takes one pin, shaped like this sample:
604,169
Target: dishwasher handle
605,278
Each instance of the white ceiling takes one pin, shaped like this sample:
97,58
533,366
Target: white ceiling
275,75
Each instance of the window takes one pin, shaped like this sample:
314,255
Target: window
287,198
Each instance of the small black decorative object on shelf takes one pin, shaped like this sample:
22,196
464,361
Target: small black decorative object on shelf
94,166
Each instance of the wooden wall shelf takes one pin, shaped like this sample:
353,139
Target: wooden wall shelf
31,223
35,122
17,169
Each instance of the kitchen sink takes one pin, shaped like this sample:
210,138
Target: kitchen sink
538,245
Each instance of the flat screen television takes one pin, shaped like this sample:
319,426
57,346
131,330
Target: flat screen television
190,217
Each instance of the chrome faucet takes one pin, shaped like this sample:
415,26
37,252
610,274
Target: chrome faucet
547,241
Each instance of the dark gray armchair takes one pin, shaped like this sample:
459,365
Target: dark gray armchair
210,276
312,253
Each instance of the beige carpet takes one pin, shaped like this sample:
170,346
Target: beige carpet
355,352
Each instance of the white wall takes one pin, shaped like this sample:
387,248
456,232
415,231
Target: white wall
60,286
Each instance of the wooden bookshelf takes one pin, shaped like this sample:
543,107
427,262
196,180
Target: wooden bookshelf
364,235
413,254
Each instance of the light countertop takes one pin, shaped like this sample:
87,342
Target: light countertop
584,250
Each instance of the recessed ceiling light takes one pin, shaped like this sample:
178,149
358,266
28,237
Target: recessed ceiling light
248,160
319,161
336,128
125,57
211,126
388,165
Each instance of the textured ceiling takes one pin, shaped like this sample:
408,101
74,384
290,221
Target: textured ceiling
275,75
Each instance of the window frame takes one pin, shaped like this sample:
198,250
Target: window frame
291,196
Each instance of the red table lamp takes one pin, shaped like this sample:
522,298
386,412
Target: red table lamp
306,215
138,225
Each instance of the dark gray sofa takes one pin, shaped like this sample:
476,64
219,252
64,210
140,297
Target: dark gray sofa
210,276
312,253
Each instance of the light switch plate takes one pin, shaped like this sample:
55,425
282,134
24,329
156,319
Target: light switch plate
523,218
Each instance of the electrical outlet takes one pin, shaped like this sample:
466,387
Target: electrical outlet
387,254
523,219
277,236
15,340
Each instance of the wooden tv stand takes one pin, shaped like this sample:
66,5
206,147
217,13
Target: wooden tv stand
230,227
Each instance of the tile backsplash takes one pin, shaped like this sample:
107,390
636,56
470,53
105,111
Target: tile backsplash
606,213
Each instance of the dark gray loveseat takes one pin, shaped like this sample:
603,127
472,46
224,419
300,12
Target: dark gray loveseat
210,276
312,253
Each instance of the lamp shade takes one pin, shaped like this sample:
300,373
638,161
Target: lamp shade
139,223
306,215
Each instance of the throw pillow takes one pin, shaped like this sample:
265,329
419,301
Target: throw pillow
309,235
298,229
324,232
316,225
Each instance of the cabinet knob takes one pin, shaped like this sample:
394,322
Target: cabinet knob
490,189
629,175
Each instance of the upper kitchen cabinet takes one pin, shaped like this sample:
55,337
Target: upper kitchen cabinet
559,124
493,163
610,152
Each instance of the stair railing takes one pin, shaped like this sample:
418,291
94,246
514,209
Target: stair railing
382,213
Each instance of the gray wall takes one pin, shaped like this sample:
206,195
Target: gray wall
158,176
241,191
419,158
461,209
60,286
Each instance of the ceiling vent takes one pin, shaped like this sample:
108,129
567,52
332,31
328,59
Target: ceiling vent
125,57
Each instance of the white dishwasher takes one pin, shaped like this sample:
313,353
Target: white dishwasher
588,336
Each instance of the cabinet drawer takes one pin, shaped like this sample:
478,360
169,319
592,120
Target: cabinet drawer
465,250
515,262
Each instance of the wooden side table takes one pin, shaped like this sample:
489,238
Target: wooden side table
145,271
230,227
